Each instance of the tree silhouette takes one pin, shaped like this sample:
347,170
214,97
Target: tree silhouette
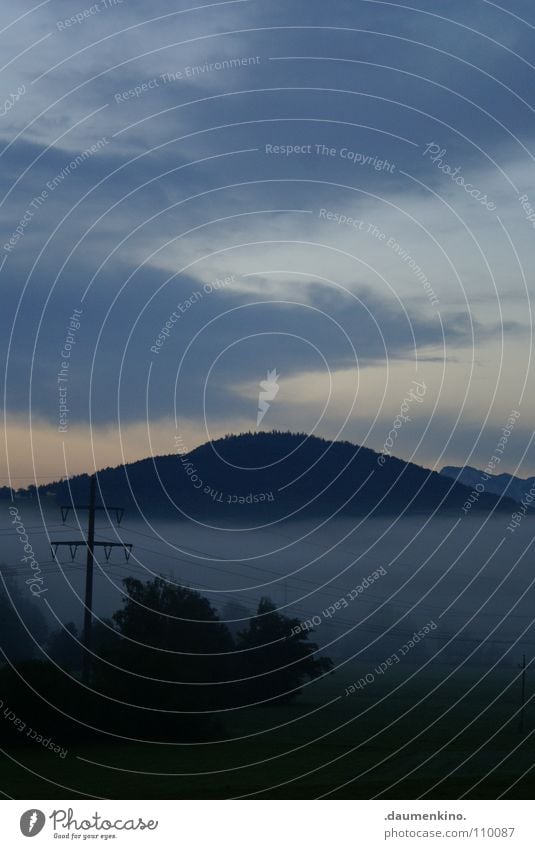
20,620
275,660
168,654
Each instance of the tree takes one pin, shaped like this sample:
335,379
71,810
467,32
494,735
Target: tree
276,660
168,653
20,620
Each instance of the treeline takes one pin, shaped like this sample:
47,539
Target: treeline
246,475
165,667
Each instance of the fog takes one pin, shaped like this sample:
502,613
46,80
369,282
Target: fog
470,577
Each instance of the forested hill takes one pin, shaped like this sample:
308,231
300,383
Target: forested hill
277,475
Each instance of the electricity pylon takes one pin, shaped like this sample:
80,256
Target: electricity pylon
90,544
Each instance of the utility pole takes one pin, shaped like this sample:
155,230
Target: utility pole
88,612
523,696
90,544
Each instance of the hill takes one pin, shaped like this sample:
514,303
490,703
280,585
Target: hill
275,475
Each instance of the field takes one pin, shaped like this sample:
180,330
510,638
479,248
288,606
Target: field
393,739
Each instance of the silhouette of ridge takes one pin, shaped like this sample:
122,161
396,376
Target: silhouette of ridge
276,474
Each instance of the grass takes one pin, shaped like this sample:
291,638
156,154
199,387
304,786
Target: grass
387,740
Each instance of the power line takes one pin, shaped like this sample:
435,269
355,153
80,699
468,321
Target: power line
339,620
296,580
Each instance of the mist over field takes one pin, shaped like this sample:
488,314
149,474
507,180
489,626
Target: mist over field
469,576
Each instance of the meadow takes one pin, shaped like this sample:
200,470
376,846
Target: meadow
407,735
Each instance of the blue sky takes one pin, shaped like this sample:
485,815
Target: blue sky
148,154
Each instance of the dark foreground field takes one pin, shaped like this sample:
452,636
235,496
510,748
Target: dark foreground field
359,746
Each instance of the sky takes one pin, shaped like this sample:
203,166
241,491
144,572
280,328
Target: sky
194,197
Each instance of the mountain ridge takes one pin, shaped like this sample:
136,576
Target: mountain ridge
504,484
276,474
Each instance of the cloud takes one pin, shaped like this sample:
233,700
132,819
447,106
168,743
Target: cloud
301,175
